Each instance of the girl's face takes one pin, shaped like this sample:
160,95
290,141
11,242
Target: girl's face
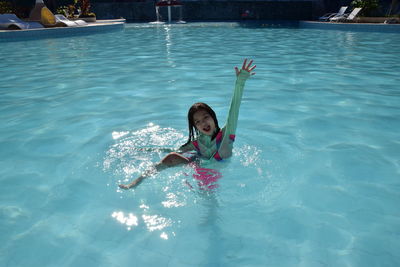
204,122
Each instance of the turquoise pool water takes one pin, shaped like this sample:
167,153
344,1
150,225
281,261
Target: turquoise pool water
315,176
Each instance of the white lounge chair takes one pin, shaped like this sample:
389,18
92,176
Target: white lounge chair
62,20
43,15
48,19
347,17
328,16
12,22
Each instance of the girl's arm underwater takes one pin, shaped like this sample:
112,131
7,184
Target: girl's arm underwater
172,159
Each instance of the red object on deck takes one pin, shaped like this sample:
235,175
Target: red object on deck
169,3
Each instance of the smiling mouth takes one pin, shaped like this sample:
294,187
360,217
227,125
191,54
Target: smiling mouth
207,129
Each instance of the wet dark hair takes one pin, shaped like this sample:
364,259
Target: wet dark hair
193,132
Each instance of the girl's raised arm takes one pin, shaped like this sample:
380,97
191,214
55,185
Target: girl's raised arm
243,74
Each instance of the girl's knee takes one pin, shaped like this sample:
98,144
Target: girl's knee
173,159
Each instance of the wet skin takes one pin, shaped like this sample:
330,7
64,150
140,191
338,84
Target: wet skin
204,122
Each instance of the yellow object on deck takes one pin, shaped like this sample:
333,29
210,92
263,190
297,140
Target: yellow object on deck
47,18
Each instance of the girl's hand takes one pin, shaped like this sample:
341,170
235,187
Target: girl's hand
246,67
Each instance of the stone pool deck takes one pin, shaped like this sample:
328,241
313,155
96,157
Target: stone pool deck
99,26
358,27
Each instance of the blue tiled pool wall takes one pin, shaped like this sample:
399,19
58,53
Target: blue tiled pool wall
216,10
23,35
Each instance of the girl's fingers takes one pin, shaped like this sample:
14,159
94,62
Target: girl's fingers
252,68
237,71
248,66
244,64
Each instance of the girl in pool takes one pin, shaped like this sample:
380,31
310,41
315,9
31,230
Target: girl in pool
206,139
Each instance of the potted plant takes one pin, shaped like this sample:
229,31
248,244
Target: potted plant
63,10
6,7
69,11
369,7
85,14
370,12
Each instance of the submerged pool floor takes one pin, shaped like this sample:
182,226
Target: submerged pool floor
314,179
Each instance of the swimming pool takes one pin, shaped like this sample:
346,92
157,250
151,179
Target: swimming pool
314,180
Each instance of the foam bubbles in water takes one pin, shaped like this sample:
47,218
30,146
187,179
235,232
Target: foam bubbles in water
136,151
249,155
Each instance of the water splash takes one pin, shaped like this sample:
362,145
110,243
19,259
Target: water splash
136,151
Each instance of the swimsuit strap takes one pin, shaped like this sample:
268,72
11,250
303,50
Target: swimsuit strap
218,141
217,156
